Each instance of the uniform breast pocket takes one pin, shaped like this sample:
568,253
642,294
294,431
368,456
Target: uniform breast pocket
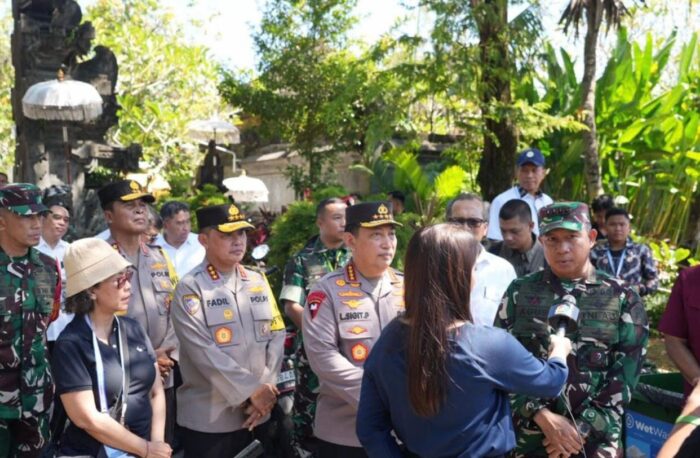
44,289
357,340
602,332
223,323
262,319
163,292
493,294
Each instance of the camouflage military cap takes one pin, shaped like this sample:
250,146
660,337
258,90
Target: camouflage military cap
22,199
369,214
226,218
573,216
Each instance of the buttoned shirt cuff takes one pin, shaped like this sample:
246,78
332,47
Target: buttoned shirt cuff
292,293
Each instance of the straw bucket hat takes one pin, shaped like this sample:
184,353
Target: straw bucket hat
88,262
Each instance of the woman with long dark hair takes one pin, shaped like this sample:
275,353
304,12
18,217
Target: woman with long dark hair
436,381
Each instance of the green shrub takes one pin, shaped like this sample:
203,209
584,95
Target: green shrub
410,223
290,231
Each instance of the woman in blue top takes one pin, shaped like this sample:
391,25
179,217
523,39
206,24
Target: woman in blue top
436,381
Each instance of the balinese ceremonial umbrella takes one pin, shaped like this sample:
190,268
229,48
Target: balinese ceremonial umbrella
64,101
214,129
246,189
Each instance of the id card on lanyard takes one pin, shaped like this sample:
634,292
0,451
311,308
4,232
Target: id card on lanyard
110,452
618,269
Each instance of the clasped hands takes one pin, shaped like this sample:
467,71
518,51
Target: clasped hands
259,405
561,439
165,363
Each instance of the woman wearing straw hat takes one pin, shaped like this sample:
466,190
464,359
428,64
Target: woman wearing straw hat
112,412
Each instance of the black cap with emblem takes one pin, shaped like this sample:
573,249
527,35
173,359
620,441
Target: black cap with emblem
226,218
123,191
369,214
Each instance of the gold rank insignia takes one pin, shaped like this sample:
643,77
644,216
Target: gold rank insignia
234,214
357,330
359,352
213,274
223,335
228,314
350,294
256,289
355,285
191,303
352,303
350,272
242,272
340,282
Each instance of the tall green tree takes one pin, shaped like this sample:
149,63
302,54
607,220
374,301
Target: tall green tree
163,84
595,12
474,47
304,69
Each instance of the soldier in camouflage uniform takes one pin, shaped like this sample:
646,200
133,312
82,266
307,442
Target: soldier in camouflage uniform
323,254
608,346
30,293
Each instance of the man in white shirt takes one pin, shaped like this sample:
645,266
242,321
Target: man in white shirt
530,175
493,274
54,226
182,246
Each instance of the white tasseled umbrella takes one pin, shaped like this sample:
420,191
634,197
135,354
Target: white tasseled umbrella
62,100
222,132
246,189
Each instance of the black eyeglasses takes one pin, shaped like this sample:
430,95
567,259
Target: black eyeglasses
471,222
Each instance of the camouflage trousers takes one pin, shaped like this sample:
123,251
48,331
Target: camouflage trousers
305,396
529,445
24,438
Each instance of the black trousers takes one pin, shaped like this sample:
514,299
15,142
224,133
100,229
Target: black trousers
197,444
330,450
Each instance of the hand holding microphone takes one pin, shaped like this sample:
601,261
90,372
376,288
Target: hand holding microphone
562,316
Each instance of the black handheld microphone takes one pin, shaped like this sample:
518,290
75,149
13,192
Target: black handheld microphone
563,315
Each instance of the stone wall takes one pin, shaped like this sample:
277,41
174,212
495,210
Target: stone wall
269,166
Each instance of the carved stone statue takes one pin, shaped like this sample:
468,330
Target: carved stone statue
47,35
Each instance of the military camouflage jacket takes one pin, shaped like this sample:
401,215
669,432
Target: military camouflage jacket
308,266
608,351
29,294
638,269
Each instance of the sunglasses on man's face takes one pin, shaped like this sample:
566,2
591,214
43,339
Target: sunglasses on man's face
471,222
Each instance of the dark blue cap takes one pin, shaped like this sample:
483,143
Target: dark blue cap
531,156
